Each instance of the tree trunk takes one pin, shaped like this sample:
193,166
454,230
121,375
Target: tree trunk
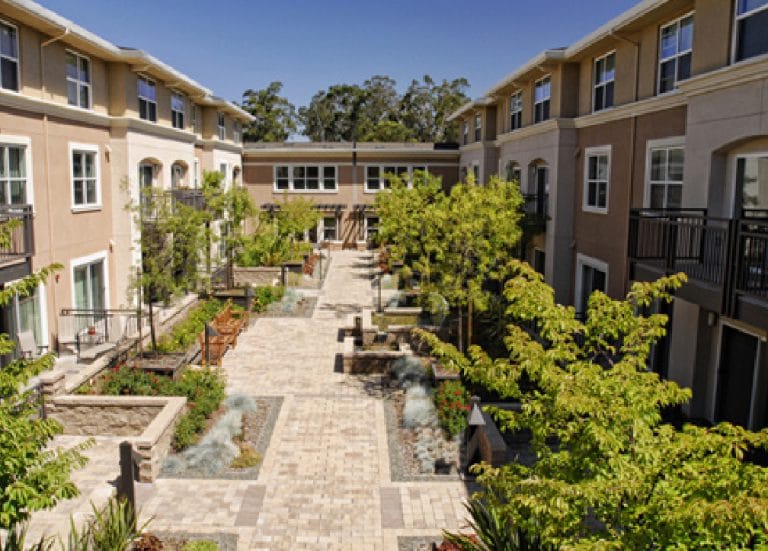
152,335
469,324
208,248
461,331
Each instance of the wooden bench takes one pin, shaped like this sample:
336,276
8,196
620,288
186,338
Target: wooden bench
229,322
219,345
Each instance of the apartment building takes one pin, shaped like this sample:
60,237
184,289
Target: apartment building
648,141
342,179
84,126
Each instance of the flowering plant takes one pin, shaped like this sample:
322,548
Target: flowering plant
452,402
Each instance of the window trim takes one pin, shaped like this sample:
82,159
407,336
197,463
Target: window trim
174,112
650,145
594,263
196,172
17,60
139,97
75,147
677,55
26,142
221,126
478,126
85,260
589,152
291,189
605,83
79,82
519,111
465,133
735,29
335,228
547,99
382,178
367,226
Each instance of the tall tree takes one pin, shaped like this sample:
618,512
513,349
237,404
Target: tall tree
276,117
609,473
334,115
426,105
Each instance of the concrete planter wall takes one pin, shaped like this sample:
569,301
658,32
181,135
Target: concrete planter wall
261,275
146,421
362,362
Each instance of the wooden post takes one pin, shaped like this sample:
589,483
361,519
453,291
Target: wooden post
126,488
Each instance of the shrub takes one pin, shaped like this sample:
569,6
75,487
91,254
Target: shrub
201,545
265,295
184,333
248,457
452,401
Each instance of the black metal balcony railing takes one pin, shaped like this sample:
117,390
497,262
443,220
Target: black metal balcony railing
20,245
159,201
727,258
535,210
190,197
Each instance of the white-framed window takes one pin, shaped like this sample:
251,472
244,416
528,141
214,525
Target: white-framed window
751,184
751,22
222,126
315,178
196,172
330,228
542,93
371,227
513,172
236,132
178,175
465,133
377,177
85,176
478,127
675,52
78,80
9,56
597,176
178,107
591,275
605,72
664,170
90,284
147,99
14,173
29,313
515,111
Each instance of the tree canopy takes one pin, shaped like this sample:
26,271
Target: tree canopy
276,117
609,472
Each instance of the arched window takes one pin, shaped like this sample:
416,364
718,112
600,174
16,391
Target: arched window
178,175
512,172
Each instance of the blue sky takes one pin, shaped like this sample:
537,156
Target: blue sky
232,45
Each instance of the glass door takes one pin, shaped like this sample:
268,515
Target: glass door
89,290
752,186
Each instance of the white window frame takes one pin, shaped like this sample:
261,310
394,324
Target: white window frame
196,172
367,224
543,100
16,60
465,133
148,100
591,152
183,171
176,113
335,228
478,127
594,263
650,146
321,177
78,83
236,132
221,124
677,55
516,109
384,181
603,83
42,303
23,141
84,148
737,18
90,259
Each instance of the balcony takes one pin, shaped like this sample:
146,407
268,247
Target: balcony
190,197
535,212
16,253
726,260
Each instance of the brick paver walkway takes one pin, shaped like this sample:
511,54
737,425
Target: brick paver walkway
325,481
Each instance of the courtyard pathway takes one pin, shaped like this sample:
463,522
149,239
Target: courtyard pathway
325,480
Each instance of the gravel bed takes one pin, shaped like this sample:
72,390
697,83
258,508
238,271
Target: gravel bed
257,430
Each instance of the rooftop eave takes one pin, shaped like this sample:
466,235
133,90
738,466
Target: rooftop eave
469,106
544,58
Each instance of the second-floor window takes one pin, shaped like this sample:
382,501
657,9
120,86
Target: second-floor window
13,174
236,132
478,127
542,91
378,177
222,126
147,99
597,179
465,133
9,57
516,111
666,177
751,25
78,80
675,52
178,106
604,75
305,178
84,178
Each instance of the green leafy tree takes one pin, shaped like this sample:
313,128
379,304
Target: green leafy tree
333,115
276,117
457,242
32,475
610,473
425,106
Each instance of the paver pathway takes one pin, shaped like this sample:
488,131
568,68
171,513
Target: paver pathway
325,481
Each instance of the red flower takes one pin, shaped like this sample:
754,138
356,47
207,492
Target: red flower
467,407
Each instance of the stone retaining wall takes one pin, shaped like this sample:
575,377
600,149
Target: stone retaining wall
493,449
261,275
147,421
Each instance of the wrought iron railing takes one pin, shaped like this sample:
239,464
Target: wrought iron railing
190,197
80,328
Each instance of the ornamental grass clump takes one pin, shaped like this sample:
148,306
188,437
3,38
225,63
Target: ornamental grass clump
452,401
418,411
407,371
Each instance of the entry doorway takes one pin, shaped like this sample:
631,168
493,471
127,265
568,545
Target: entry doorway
741,377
